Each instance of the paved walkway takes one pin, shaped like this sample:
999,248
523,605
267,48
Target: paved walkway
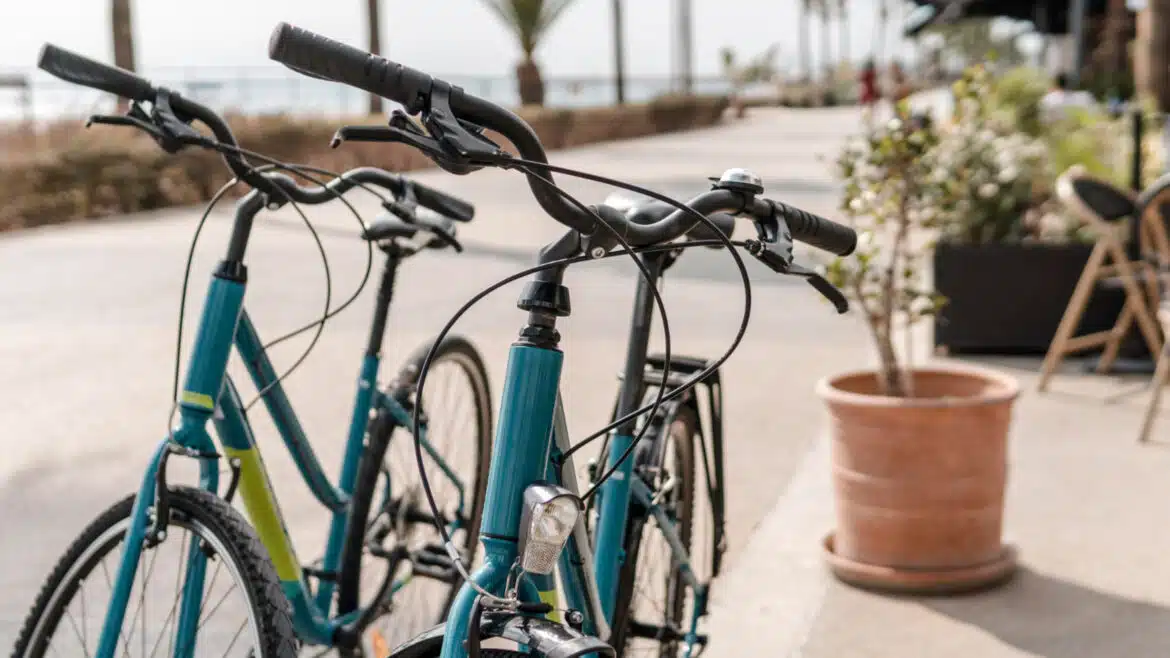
86,345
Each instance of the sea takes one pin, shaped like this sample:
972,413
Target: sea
44,99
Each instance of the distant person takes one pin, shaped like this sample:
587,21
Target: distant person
868,83
1055,104
899,87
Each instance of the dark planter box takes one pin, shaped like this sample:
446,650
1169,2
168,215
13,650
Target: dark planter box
1009,298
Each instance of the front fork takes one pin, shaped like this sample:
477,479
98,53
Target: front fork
205,376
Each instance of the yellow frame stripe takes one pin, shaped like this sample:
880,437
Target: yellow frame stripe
260,503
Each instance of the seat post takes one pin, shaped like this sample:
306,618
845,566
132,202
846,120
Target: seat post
385,294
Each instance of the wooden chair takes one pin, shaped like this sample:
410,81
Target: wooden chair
1154,205
1104,208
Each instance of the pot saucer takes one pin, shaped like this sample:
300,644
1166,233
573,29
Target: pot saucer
891,580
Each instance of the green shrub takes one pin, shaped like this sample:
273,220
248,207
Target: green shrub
1017,93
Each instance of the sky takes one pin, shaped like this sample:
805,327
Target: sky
454,37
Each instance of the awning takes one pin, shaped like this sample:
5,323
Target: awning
1048,16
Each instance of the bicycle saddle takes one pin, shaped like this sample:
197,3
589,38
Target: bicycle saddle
439,231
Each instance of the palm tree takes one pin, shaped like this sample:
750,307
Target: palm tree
123,38
529,21
843,25
880,30
374,45
825,9
1157,55
806,7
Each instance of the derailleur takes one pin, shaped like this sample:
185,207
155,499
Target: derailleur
457,146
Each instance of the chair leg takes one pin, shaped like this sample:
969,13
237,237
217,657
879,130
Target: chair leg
1116,336
1161,374
1133,292
1072,314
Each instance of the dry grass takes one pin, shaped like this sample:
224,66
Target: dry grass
65,172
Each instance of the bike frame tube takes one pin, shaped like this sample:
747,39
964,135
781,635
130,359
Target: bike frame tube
520,456
255,358
614,495
255,490
363,402
205,378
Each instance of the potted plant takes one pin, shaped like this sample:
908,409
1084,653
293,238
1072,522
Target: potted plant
919,453
1001,220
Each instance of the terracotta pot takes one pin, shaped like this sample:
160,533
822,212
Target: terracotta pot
919,482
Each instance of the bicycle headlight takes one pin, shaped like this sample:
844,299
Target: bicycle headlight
550,512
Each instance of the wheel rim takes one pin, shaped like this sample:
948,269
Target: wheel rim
80,620
453,400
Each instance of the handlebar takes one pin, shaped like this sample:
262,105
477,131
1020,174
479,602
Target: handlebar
322,57
79,69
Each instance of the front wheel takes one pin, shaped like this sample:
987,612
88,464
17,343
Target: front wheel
243,613
392,544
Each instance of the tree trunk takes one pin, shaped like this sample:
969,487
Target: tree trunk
826,47
122,27
374,42
802,34
843,26
530,83
1157,48
880,36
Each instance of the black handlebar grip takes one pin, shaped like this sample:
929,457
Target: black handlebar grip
322,57
79,69
443,203
723,221
817,231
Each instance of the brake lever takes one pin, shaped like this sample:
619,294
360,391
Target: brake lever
119,120
397,132
175,131
783,264
822,285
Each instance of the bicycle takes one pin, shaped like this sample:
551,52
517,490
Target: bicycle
535,521
376,521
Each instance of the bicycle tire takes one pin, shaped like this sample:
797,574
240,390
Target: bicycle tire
369,481
681,433
238,544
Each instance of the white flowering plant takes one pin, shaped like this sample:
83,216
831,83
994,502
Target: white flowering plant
997,178
893,195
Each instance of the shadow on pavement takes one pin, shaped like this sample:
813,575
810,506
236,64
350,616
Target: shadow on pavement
1047,616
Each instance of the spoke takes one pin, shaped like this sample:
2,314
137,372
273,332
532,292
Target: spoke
142,600
179,595
210,587
171,620
216,607
76,632
235,637
110,584
84,620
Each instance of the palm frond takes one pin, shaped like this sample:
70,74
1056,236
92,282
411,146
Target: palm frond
528,20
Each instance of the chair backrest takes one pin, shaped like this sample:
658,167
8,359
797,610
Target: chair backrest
1093,200
1153,207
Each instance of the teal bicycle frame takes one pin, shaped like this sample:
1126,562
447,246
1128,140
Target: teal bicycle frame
531,439
208,394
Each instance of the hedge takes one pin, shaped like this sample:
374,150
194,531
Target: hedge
108,171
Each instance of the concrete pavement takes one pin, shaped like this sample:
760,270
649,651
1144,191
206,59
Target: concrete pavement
86,351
